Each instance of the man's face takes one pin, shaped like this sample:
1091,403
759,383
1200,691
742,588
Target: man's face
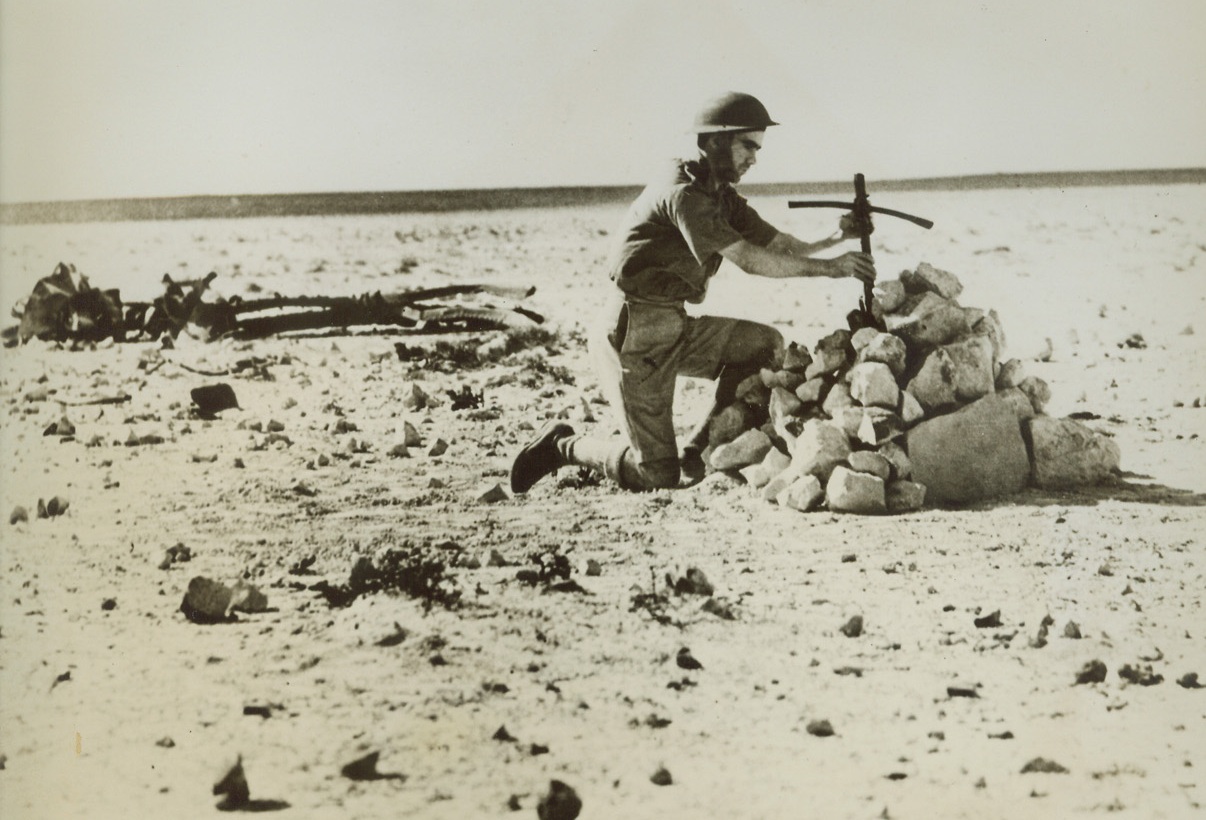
731,155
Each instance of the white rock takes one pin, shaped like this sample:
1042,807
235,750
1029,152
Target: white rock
848,491
810,392
904,496
910,408
873,385
888,296
803,494
990,325
1068,454
770,491
783,405
839,397
748,448
869,461
759,475
862,337
819,448
972,454
929,278
850,419
887,348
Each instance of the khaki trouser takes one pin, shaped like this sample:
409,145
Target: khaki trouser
640,349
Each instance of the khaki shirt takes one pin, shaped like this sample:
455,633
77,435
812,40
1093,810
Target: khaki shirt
672,235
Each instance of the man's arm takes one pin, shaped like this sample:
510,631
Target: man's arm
787,257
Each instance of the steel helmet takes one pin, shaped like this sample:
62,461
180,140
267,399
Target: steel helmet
732,111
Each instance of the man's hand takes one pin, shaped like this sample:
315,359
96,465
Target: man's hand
855,265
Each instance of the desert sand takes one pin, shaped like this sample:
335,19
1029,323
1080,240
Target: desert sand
113,704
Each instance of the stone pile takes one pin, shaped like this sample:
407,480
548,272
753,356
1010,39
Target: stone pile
928,411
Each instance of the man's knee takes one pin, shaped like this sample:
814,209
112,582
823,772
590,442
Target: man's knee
755,344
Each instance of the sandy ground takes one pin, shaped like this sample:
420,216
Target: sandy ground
129,710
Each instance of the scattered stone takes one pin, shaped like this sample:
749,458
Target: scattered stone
1072,630
52,508
18,515
1068,454
212,399
593,568
848,491
853,627
1189,681
1142,675
720,608
693,582
796,359
165,742
848,670
415,398
990,621
234,786
961,692
1042,765
820,728
109,604
661,777
246,598
399,451
365,768
972,454
748,448
493,495
561,802
1092,672
686,660
503,736
63,428
304,489
206,601
438,449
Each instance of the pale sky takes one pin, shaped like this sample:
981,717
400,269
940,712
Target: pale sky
124,98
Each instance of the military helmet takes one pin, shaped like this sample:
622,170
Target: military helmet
732,111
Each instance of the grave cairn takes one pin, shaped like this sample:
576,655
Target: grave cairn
924,413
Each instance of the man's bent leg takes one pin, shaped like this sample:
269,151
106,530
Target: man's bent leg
618,462
749,347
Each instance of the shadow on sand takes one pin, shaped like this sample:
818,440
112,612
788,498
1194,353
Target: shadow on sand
1129,487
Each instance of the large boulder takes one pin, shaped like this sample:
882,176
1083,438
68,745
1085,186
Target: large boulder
1066,453
973,454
